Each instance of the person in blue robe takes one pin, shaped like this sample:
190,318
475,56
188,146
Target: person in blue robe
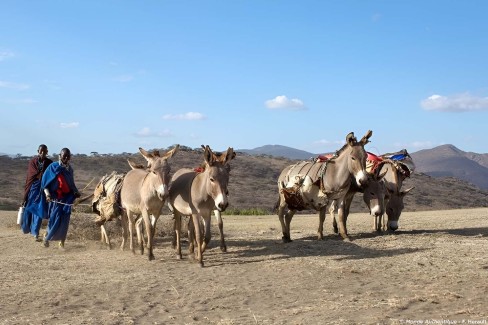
59,193
31,223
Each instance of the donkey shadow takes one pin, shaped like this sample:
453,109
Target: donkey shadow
244,251
464,232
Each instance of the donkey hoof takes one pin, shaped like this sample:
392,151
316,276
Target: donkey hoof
151,257
286,239
223,249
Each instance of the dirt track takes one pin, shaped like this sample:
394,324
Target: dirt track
434,270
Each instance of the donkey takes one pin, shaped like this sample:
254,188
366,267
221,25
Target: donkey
143,193
309,185
197,194
373,196
395,174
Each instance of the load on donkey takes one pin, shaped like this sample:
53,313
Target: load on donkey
106,202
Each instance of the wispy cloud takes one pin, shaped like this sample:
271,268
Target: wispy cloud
376,17
186,116
328,142
13,85
51,84
70,125
124,78
282,102
417,145
23,101
147,132
5,54
456,103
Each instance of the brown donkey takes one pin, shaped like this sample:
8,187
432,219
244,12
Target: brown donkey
312,185
143,193
197,194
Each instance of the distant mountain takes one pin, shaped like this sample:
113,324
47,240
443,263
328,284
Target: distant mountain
449,161
279,151
441,161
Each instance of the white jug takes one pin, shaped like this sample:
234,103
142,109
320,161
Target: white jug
19,215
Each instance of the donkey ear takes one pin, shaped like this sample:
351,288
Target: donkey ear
172,152
365,139
405,192
145,153
134,165
350,138
229,155
381,175
208,155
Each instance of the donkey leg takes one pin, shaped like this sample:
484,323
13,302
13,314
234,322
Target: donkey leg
320,231
123,221
173,240
377,223
105,238
149,234
281,215
177,229
198,239
130,221
220,222
207,223
333,217
288,216
140,236
342,222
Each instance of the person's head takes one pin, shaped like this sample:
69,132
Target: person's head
42,151
64,156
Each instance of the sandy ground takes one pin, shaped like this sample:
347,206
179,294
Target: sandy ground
433,271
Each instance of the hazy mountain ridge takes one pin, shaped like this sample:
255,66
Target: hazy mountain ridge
447,160
442,161
279,151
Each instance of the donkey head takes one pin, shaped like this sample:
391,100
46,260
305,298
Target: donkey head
356,160
394,208
217,171
374,194
159,166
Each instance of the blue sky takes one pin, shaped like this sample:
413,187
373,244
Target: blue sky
112,76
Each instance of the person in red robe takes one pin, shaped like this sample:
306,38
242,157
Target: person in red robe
31,222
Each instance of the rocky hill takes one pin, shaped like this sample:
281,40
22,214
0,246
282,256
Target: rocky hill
252,183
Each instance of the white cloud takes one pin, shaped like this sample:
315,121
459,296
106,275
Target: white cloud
455,103
146,133
13,85
282,102
186,116
328,142
71,125
4,55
